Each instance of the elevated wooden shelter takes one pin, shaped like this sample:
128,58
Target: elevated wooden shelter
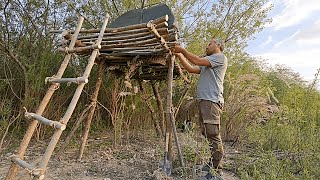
138,50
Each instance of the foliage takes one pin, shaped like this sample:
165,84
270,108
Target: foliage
288,142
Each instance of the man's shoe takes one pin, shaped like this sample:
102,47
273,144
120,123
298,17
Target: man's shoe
207,168
210,177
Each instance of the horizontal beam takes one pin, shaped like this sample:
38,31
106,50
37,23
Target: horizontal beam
79,49
135,34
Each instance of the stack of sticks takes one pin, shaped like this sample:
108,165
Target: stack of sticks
146,43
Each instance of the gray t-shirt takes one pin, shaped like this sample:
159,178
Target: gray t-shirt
210,84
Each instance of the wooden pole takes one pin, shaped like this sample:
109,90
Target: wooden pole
184,93
124,36
79,49
159,22
130,44
148,47
151,109
73,130
155,88
94,98
169,113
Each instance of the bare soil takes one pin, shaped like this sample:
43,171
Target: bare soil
138,158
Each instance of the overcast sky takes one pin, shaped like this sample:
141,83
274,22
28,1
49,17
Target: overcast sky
293,38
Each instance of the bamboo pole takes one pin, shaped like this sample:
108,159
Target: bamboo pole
32,126
94,98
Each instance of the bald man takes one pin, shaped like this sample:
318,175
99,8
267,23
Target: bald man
212,69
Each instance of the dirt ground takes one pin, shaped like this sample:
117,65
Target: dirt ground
138,158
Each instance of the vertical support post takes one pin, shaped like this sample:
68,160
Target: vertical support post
32,126
169,114
93,99
168,109
156,93
151,109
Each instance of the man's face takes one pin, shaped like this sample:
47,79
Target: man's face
212,47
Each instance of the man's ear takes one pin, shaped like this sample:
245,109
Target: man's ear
219,46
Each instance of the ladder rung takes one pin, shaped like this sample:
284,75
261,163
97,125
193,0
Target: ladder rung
34,171
20,162
77,80
45,121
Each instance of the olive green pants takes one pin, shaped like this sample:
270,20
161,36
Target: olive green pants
210,114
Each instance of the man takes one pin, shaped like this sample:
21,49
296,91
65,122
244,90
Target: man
212,69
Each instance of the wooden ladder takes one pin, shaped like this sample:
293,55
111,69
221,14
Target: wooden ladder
37,171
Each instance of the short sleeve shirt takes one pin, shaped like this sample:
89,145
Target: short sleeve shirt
210,84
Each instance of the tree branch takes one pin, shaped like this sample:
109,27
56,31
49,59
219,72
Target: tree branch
13,57
224,19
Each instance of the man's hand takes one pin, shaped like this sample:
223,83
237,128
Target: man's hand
182,53
177,49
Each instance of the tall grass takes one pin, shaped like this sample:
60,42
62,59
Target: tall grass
287,146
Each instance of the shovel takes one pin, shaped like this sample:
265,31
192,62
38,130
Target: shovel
166,165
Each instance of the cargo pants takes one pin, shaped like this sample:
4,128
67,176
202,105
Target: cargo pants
210,114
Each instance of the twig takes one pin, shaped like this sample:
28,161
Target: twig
6,132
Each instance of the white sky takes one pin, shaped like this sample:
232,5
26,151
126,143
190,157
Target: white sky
293,38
